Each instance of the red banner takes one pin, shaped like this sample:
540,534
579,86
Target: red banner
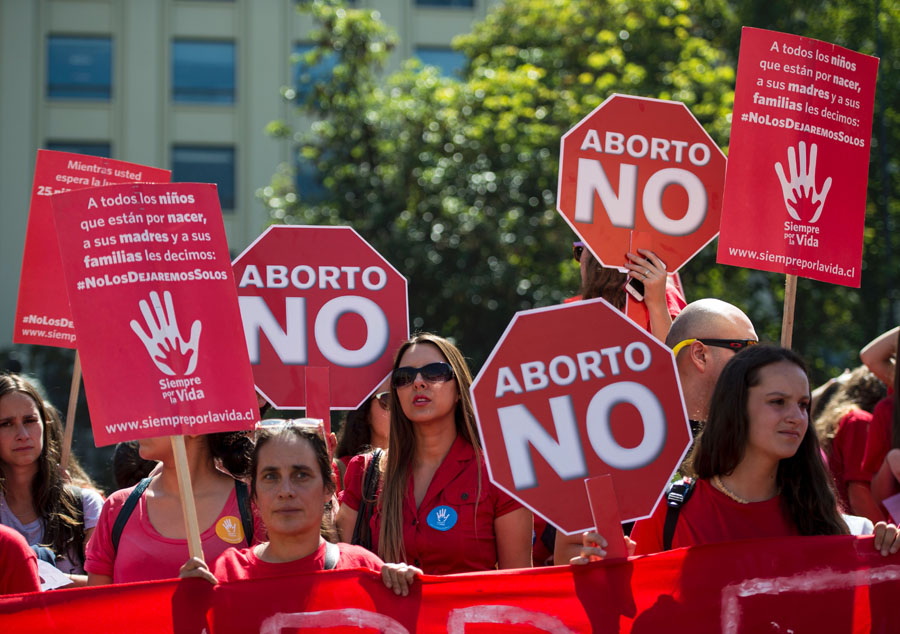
811,584
42,310
798,160
156,312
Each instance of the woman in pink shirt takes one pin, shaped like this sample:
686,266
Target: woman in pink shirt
152,543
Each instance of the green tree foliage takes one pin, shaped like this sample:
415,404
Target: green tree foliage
454,179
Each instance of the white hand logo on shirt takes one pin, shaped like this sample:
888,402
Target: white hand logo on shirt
442,515
229,525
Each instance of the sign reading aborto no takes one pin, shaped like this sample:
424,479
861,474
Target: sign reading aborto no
319,299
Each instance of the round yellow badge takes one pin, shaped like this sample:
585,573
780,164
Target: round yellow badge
229,530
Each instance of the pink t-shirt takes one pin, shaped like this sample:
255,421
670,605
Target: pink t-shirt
236,564
145,555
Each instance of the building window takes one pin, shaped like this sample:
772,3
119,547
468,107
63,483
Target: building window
203,164
79,67
306,75
203,71
446,3
308,181
449,61
90,148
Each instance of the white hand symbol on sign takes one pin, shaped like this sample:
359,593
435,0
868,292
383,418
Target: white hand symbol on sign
801,188
162,339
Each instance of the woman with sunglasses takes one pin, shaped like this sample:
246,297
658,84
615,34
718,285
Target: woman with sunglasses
365,428
291,482
436,508
758,466
145,539
662,299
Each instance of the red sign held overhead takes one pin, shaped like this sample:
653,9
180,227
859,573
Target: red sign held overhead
641,173
152,295
319,297
43,316
799,158
573,392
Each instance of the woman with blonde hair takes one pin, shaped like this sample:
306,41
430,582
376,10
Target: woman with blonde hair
436,508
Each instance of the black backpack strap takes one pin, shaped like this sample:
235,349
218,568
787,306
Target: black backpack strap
332,555
127,510
243,500
678,494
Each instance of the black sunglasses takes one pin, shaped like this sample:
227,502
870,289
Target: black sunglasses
577,250
731,344
433,373
384,399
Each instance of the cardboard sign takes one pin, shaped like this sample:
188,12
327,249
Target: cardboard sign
42,310
639,173
576,391
319,297
798,162
155,310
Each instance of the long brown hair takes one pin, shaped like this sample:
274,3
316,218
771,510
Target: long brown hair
807,491
402,452
860,390
54,501
601,281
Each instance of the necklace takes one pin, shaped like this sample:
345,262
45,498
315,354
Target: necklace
724,489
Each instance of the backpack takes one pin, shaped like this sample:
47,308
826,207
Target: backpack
362,532
240,489
677,495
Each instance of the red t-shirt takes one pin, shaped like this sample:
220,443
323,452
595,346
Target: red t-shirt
710,516
18,564
235,565
847,450
446,534
878,442
144,554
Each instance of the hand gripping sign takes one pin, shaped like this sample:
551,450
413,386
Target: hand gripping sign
574,392
795,194
319,298
155,311
641,173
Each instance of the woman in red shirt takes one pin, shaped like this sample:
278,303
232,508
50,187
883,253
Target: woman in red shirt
759,469
291,482
436,507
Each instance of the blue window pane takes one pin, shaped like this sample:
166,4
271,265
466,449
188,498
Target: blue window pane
79,67
445,3
193,164
203,72
309,182
305,76
449,61
91,149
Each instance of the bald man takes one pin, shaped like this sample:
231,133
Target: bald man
703,337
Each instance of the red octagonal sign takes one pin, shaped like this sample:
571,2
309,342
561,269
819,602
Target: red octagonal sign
319,297
577,391
641,173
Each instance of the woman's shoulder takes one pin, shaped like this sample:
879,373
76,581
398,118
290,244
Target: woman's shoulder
358,557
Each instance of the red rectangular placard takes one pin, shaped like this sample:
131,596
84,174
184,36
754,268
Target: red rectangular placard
42,310
795,186
155,310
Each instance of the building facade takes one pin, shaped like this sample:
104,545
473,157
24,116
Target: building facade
187,85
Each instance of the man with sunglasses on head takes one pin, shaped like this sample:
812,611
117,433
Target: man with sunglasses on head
703,338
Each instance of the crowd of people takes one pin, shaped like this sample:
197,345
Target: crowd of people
405,489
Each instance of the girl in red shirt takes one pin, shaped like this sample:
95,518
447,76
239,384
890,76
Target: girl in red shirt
759,469
436,507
